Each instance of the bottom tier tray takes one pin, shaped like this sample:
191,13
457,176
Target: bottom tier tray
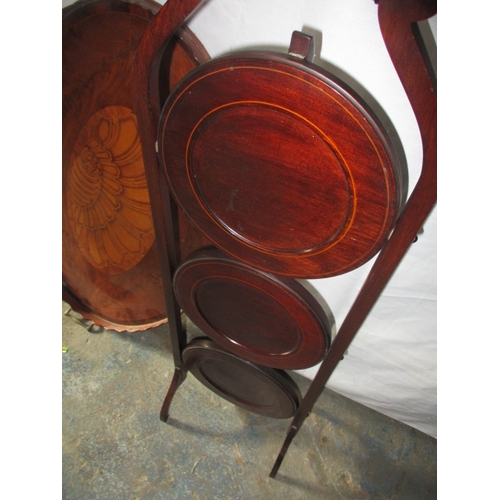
266,391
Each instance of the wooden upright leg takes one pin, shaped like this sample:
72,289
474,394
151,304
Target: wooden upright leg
179,377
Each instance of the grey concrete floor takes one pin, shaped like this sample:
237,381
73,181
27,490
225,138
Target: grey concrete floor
116,447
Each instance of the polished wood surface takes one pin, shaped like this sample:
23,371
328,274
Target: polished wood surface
280,164
272,321
110,263
266,391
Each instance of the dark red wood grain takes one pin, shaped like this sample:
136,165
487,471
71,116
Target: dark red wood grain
281,165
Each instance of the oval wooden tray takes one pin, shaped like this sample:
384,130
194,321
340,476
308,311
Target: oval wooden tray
110,266
258,389
280,164
271,321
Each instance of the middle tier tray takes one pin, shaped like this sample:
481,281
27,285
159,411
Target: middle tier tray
272,321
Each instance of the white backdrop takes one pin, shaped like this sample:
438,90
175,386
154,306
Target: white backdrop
391,364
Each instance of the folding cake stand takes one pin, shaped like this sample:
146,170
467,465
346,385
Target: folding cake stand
290,175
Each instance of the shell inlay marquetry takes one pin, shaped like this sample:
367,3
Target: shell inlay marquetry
108,201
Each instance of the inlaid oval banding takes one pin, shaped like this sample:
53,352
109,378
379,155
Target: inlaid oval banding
281,165
227,173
